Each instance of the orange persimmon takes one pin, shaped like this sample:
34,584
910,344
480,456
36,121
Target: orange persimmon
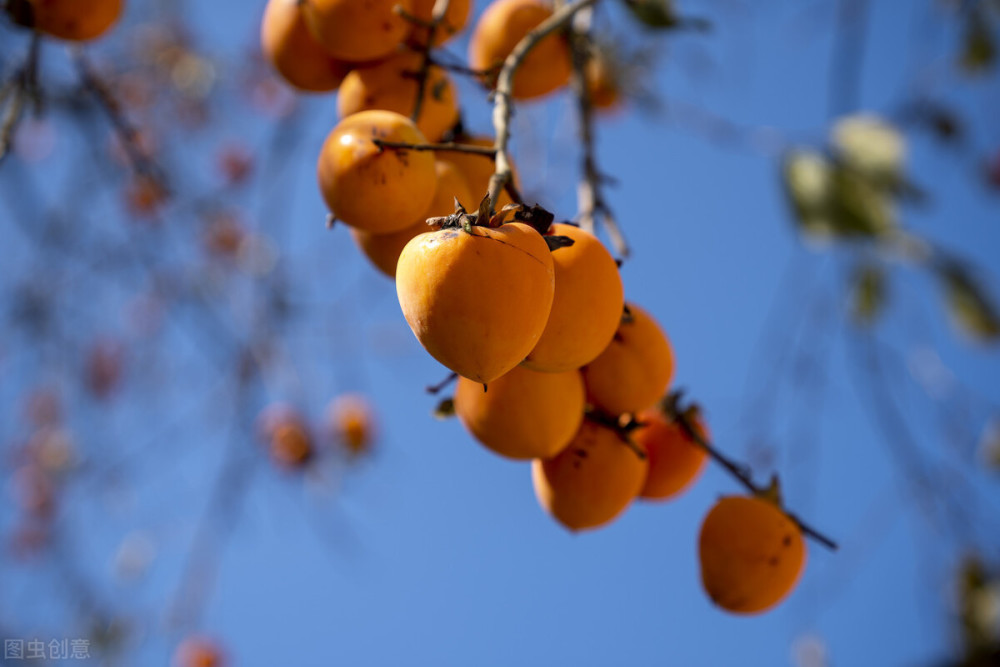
592,481
587,307
290,48
477,300
634,370
352,423
751,554
505,23
379,191
383,249
390,85
286,434
357,31
76,20
199,652
524,414
477,169
454,20
675,460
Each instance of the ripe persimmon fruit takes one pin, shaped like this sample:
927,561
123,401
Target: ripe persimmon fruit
751,554
593,479
379,191
383,249
352,423
477,169
286,435
603,88
477,299
357,31
523,414
675,460
634,370
390,85
505,23
293,52
76,20
454,20
199,652
587,306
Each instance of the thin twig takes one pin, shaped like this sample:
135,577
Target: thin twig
451,146
22,86
739,471
502,107
437,15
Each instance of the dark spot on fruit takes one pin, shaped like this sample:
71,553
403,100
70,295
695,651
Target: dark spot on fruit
787,541
773,561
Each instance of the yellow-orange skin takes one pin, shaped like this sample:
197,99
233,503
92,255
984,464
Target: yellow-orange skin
383,249
675,461
379,192
353,423
524,414
76,20
634,370
477,301
290,48
603,90
290,444
356,30
587,307
386,86
454,20
505,23
198,652
477,170
592,481
751,554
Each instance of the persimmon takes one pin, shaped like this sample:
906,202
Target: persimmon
477,169
524,414
383,249
592,481
603,87
76,20
357,31
477,300
199,652
587,307
505,23
294,53
379,191
390,85
675,460
352,423
635,368
454,20
751,554
286,434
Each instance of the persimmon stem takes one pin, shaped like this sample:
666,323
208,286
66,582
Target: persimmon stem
451,146
440,386
21,88
671,407
502,107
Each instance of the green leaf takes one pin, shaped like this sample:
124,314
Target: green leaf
968,304
868,294
445,409
979,50
859,208
660,15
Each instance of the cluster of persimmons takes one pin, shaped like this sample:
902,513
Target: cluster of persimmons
553,366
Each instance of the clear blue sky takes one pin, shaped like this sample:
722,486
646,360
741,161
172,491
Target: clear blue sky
436,553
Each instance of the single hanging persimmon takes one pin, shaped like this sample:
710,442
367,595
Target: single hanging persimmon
383,249
357,31
477,169
293,52
455,19
392,85
477,298
592,481
587,306
352,423
379,191
76,20
545,69
751,554
286,434
199,652
523,414
675,460
634,370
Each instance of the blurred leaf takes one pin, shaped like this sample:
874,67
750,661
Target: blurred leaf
445,409
970,307
979,50
858,207
868,294
660,14
807,177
